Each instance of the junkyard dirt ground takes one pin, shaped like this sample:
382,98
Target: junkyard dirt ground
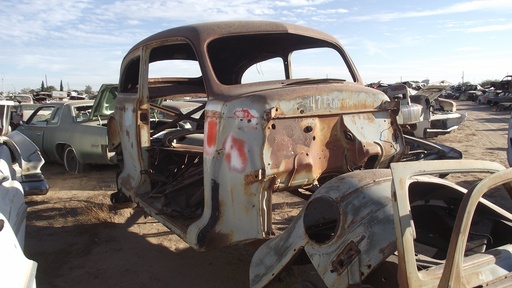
80,240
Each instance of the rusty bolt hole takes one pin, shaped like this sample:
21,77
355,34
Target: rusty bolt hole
349,136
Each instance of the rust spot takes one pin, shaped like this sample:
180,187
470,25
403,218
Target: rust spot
331,146
349,253
253,177
388,249
286,139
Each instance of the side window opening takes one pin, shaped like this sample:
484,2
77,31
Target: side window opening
177,94
42,116
175,68
174,73
55,117
129,81
81,113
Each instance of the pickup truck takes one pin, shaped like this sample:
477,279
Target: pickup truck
215,123
73,132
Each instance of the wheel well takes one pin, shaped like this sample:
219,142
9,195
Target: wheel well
60,148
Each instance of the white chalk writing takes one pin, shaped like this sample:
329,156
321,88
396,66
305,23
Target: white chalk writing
322,102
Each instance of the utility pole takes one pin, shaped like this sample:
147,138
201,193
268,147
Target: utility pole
462,77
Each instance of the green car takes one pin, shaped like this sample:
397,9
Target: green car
73,132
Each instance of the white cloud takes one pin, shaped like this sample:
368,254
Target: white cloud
82,36
468,48
301,2
34,20
83,41
42,20
480,5
373,48
491,28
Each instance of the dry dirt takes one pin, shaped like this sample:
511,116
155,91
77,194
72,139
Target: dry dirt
80,240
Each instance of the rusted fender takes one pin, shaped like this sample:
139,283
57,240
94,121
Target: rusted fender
346,230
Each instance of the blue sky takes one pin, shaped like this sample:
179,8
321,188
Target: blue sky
82,42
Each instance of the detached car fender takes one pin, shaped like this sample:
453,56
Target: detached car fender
349,214
354,223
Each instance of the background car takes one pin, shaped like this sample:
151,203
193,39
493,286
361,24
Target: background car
69,132
20,174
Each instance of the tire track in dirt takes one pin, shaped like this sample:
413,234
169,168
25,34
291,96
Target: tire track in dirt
489,128
483,136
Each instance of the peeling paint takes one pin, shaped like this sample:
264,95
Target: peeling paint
211,127
235,153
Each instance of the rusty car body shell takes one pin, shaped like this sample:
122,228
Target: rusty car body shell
206,155
355,232
254,138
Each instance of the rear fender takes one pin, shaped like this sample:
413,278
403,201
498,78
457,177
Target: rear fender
348,215
28,157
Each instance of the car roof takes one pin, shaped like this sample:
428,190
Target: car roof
203,32
69,102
